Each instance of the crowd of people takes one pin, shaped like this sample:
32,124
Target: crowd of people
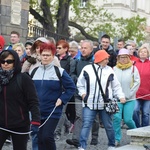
47,86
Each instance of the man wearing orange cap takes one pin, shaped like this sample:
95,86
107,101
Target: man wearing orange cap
92,99
2,42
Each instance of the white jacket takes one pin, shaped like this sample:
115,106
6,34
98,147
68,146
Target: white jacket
88,84
129,80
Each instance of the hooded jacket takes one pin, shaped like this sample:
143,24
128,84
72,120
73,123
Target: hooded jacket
15,103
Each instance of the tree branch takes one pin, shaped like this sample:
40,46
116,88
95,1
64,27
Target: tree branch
73,24
36,15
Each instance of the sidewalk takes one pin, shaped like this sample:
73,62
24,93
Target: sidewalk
102,145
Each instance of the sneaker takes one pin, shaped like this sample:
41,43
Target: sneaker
94,142
111,148
117,143
73,142
80,148
8,140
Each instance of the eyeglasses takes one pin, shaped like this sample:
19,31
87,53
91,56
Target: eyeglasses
8,61
59,47
123,57
47,55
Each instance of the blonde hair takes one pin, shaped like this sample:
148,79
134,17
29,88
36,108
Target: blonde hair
18,45
144,47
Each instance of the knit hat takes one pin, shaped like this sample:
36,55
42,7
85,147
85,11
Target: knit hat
100,55
29,42
42,39
124,51
2,41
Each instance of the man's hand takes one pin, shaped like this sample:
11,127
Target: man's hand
59,102
83,96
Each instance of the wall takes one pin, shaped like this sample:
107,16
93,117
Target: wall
14,16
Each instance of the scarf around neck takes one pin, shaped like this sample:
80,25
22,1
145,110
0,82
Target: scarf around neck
5,76
124,66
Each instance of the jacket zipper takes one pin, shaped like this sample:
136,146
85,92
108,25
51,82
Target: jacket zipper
6,123
21,113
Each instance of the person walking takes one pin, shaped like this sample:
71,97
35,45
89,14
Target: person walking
54,88
142,107
92,99
16,100
129,79
86,58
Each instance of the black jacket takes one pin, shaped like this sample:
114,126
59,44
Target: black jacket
15,103
111,52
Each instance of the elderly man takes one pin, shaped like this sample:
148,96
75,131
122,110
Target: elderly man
85,59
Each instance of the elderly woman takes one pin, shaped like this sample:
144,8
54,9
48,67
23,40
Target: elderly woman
142,107
51,94
129,79
93,102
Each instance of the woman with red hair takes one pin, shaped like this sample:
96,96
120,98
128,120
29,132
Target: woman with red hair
67,63
50,94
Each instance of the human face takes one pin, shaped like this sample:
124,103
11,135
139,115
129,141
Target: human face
124,59
37,50
73,52
19,51
143,54
46,57
86,49
131,49
104,62
14,38
60,50
105,42
120,45
8,66
28,50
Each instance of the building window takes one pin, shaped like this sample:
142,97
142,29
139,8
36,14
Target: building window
83,3
134,5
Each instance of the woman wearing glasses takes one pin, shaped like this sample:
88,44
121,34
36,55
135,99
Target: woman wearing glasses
51,94
16,102
129,79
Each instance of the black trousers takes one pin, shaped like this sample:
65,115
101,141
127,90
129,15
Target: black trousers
19,141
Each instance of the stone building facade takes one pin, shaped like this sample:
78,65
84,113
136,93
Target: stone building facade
14,17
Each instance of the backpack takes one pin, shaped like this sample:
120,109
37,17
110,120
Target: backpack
19,76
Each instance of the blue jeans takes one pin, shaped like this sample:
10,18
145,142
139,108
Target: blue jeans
34,142
144,107
46,135
126,110
88,118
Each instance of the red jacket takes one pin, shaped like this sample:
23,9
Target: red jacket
144,71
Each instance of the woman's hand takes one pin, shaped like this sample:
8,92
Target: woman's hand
122,100
59,102
83,96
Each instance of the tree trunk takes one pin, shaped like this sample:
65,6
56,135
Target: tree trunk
62,18
48,21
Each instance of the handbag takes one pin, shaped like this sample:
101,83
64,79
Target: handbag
110,105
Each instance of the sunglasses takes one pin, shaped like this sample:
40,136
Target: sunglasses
8,61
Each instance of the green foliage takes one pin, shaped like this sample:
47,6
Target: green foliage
95,19
132,28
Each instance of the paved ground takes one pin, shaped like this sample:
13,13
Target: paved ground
61,144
